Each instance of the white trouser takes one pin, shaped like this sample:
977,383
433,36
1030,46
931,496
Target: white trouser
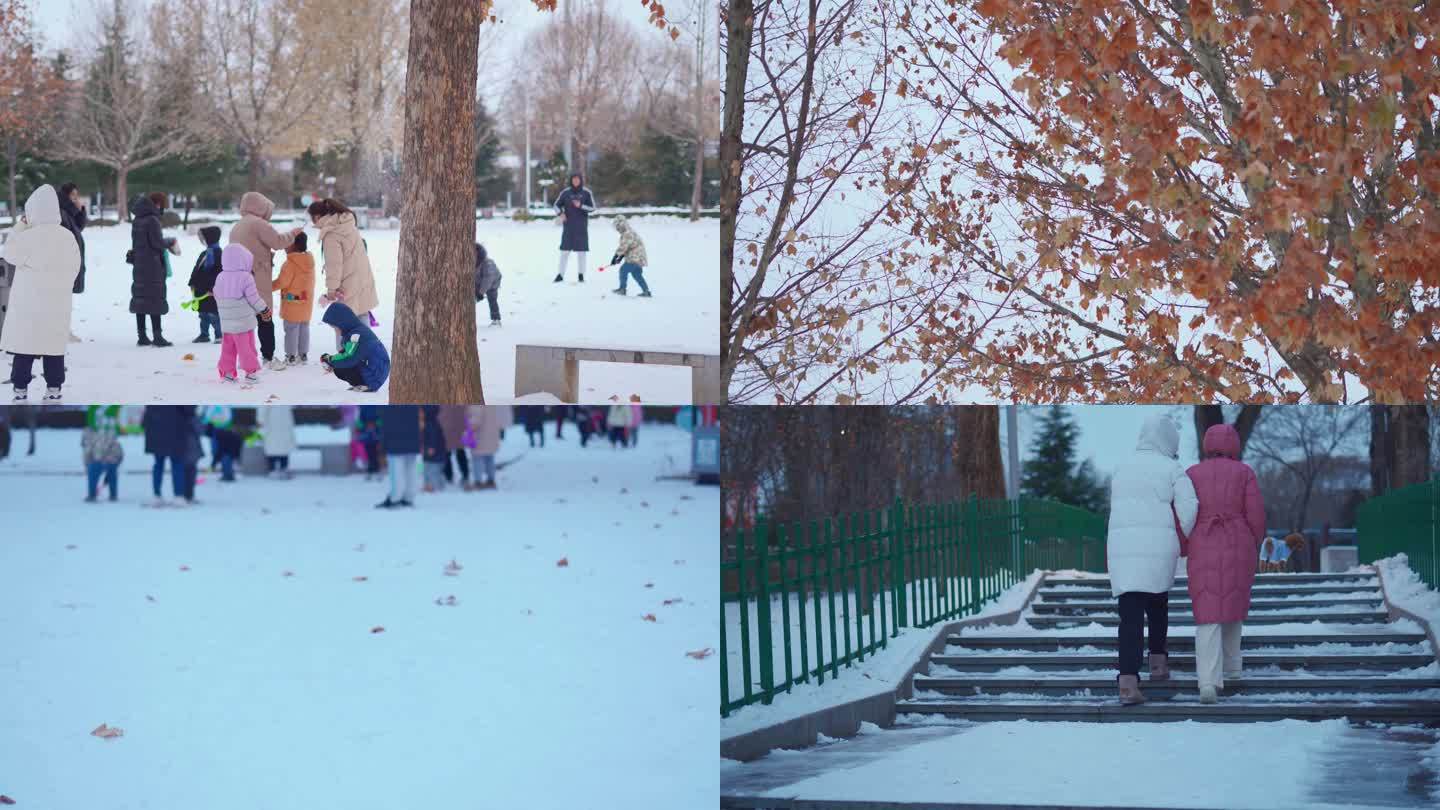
402,477
1211,666
579,260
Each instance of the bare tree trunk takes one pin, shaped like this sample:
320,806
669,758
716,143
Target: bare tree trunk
122,193
189,203
436,360
1399,446
355,165
12,154
977,451
699,104
254,179
740,23
1207,416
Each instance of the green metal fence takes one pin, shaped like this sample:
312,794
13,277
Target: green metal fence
1403,520
809,597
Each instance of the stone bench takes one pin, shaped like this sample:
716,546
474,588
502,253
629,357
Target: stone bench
334,458
556,370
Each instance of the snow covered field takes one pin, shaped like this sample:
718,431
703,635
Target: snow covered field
239,686
107,366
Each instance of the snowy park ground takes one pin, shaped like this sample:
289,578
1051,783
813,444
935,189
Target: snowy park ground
238,686
107,366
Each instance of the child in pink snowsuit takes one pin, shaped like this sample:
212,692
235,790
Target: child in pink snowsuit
1221,551
239,302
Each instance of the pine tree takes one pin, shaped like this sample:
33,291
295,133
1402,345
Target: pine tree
1052,472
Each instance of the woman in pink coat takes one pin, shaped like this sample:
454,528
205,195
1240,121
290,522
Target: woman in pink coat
1222,549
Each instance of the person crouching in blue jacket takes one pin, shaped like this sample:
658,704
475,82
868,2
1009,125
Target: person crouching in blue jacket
363,362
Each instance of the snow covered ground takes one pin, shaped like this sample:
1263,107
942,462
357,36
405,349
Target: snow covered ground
253,679
107,366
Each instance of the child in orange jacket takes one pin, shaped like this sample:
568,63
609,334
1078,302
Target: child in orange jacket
296,284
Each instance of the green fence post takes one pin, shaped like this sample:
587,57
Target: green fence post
762,614
897,564
972,539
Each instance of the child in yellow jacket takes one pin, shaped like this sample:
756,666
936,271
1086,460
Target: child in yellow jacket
296,284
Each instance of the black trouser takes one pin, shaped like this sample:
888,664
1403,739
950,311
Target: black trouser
22,371
534,433
493,297
350,375
372,457
140,324
266,330
1136,608
278,462
462,460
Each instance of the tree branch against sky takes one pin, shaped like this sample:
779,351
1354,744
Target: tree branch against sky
1232,201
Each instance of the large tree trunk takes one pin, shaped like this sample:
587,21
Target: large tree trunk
1399,446
1207,416
255,169
122,193
739,22
435,357
977,452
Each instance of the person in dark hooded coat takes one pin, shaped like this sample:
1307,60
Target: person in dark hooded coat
74,219
147,257
400,436
574,205
173,432
202,284
363,363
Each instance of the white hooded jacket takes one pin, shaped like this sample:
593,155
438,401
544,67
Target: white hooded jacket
47,260
1142,546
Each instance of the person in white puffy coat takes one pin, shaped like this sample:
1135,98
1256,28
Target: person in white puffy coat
1151,498
277,427
47,261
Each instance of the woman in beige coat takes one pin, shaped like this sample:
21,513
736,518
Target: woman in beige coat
486,424
255,232
347,273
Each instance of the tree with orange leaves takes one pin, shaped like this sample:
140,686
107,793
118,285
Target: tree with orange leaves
1187,200
29,89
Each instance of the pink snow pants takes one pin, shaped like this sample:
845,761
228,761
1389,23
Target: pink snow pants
239,345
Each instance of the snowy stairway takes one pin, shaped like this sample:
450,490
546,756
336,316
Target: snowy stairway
1316,646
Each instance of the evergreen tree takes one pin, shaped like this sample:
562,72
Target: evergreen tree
1052,472
491,181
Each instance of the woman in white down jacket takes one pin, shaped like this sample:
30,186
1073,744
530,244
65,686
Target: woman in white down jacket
1150,498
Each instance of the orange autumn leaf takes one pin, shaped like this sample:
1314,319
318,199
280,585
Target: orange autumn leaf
866,99
107,732
563,562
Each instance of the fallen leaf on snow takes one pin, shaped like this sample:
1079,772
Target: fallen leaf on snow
71,547
107,733
6,800
594,479
149,598
649,617
287,573
563,562
644,504
453,568
649,584
679,562
634,397
359,579
614,397
189,357
529,612
687,498
624,490
701,654
264,511
377,629
677,600
359,546
184,568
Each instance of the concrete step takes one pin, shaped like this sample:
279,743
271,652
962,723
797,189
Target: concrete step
1185,605
1265,579
1185,662
1104,686
1229,710
1178,643
1183,620
1181,592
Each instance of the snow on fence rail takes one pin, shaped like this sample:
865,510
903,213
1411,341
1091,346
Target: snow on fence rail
1405,520
804,598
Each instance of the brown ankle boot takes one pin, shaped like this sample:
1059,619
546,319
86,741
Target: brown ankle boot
1159,667
1130,693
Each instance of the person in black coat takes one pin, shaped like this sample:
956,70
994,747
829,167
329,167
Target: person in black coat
147,249
574,205
202,284
533,418
400,436
173,432
74,219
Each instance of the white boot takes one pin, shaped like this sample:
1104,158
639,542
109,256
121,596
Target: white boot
1207,694
53,395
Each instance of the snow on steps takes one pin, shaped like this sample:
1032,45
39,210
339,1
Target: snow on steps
1349,662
